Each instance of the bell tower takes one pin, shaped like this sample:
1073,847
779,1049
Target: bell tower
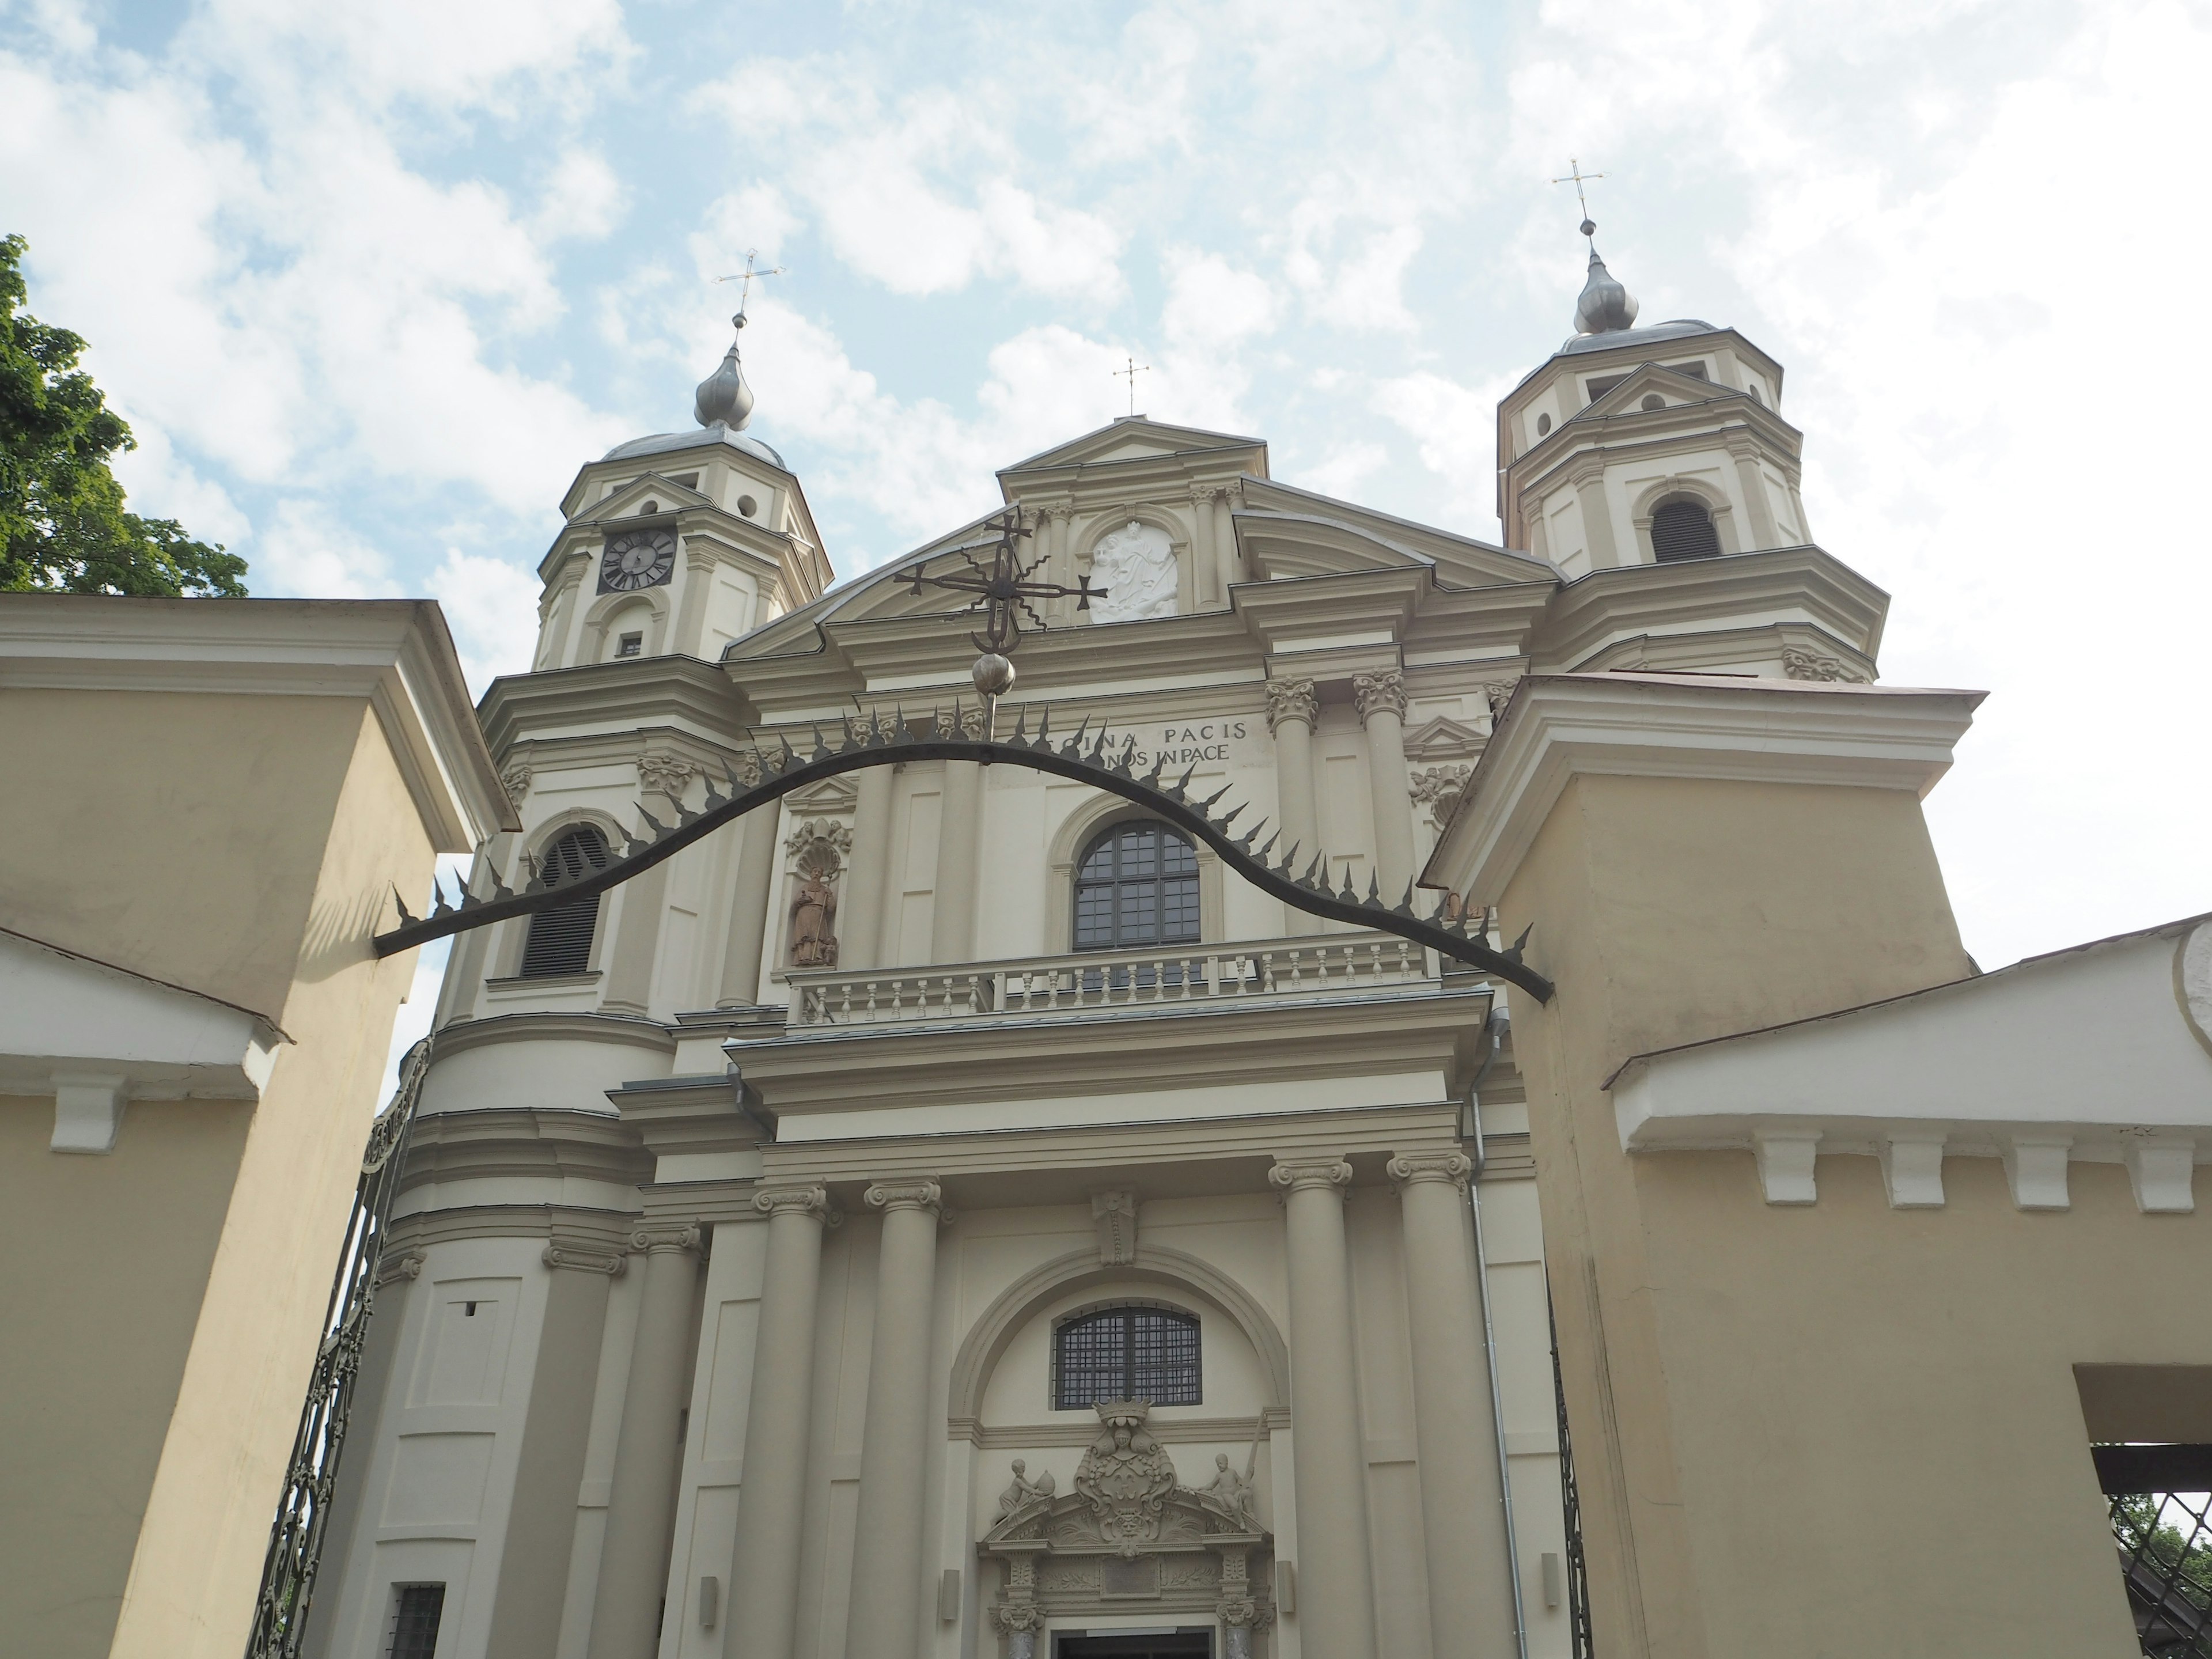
1639,446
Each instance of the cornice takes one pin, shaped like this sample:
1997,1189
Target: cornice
462,1036
606,1230
531,1142
1559,726
1633,354
682,693
1643,435
1691,596
1320,611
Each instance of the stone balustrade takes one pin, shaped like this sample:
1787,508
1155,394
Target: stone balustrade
1322,965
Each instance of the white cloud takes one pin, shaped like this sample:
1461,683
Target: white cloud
306,553
1454,431
1211,303
492,607
584,198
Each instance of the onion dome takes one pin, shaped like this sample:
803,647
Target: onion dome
724,398
1606,306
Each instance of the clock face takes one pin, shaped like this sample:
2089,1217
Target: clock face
637,558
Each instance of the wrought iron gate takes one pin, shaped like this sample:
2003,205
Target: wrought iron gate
295,1540
1571,1503
2162,1523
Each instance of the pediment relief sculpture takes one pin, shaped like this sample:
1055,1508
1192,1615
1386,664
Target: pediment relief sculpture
1136,567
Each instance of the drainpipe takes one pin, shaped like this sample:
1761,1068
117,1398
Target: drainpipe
1500,1025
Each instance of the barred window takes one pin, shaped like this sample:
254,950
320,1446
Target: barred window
1136,884
417,1610
560,939
1134,1352
1684,529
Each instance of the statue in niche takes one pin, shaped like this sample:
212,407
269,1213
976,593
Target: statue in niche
1229,1494
1025,1490
1136,565
1125,1477
818,850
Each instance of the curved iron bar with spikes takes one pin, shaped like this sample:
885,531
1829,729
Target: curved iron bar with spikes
1099,761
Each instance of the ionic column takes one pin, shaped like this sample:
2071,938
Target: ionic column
861,941
641,1505
1463,1492
1292,706
885,1619
959,831
1381,699
763,1601
1336,1581
749,900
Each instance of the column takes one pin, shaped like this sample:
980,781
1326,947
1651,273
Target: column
641,1506
749,898
1336,1580
861,941
1205,561
691,630
1292,706
885,1619
1463,1492
1381,699
762,1611
1224,539
959,830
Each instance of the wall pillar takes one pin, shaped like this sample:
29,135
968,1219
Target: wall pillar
641,1505
1336,1579
885,1617
691,630
1462,1491
1381,699
741,958
1225,538
1205,561
1757,502
860,943
637,942
1293,707
959,835
763,1617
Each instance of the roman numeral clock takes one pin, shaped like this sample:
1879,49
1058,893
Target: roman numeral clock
637,558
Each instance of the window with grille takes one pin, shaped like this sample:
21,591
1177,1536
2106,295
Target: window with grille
1134,1352
561,937
416,1611
1684,529
1136,884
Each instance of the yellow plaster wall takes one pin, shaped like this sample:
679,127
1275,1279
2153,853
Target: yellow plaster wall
1843,1429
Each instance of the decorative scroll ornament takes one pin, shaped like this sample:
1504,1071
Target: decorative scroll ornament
1437,788
1332,1173
1385,691
1294,875
807,1199
515,780
1452,1167
1292,700
665,774
1125,1476
1798,664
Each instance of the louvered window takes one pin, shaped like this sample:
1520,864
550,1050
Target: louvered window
561,937
1136,884
1684,529
1126,1353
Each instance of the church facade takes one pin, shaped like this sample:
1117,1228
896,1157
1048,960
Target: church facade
951,1213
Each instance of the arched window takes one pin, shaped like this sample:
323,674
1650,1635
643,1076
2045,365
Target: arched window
561,937
1139,1352
1136,883
1684,529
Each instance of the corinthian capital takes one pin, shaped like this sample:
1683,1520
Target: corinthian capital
806,1199
1407,1168
887,1195
1292,700
1331,1174
1372,692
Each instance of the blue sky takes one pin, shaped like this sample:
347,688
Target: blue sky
372,282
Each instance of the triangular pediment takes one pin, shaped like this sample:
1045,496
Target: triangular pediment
1444,738
1282,545
1133,438
1648,379
630,498
1461,560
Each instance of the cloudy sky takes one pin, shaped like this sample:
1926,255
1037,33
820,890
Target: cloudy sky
371,283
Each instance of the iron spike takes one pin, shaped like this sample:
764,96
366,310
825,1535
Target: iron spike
1206,805
1151,779
1290,862
499,888
658,828
1231,816
1261,853
1126,766
789,758
900,731
406,920
1349,894
1244,842
1072,749
1513,951
1180,789
1098,747
1374,899
1405,906
440,906
1307,879
821,751
1021,738
1044,730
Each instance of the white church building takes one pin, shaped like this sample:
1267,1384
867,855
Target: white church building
952,1214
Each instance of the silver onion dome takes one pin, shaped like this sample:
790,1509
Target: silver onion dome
1606,306
724,397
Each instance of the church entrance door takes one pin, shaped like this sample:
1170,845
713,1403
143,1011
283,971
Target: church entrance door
1181,1644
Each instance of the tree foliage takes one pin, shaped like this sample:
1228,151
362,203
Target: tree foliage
63,526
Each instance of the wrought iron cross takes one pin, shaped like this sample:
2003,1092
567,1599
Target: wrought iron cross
1577,177
1003,589
745,279
1130,374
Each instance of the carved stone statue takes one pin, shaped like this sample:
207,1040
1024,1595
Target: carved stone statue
1230,1493
1136,565
1025,1490
1125,1477
814,924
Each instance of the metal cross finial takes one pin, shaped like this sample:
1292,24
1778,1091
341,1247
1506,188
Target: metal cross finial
1577,177
1130,374
745,279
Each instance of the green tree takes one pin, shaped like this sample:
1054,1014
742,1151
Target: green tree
63,527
